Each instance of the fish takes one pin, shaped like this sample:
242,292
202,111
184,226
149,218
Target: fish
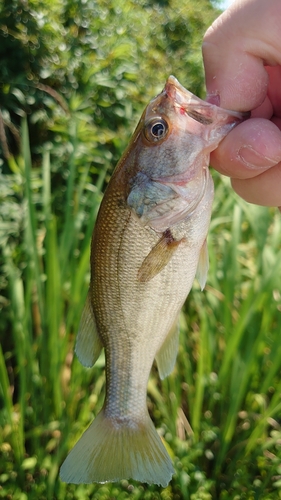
148,244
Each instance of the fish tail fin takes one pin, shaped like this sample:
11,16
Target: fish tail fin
112,449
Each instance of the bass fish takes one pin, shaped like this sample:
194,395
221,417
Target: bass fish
148,244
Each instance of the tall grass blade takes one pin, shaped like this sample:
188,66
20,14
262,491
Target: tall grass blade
68,233
15,434
23,358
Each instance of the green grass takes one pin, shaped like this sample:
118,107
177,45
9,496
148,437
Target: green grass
218,413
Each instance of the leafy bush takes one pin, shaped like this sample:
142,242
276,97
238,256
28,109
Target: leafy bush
106,59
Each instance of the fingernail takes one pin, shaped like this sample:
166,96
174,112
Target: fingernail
253,159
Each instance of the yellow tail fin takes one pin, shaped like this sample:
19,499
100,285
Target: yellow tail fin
114,449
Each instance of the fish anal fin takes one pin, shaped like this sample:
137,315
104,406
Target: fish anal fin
114,449
88,345
158,257
203,266
167,354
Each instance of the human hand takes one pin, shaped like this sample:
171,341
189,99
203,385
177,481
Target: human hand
242,58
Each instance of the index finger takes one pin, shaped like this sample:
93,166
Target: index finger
236,48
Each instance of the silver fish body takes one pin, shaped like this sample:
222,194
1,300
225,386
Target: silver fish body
148,244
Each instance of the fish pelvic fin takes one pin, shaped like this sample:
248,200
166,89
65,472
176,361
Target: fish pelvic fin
158,257
203,266
167,354
112,449
88,344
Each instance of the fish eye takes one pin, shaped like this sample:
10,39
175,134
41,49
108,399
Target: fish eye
156,129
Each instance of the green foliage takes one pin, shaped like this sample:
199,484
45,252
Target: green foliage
102,59
218,413
85,71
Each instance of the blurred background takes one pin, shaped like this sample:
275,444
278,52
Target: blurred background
75,77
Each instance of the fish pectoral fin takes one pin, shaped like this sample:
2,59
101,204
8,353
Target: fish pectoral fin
158,257
112,449
167,354
203,265
88,344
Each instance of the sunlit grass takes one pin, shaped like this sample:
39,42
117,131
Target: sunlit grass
219,411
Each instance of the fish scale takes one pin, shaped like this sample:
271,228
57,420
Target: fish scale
148,244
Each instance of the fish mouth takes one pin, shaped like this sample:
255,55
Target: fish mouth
202,111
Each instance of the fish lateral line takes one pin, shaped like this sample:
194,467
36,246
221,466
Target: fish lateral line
159,256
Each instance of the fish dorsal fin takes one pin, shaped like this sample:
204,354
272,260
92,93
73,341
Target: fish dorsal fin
158,257
167,354
203,266
88,344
